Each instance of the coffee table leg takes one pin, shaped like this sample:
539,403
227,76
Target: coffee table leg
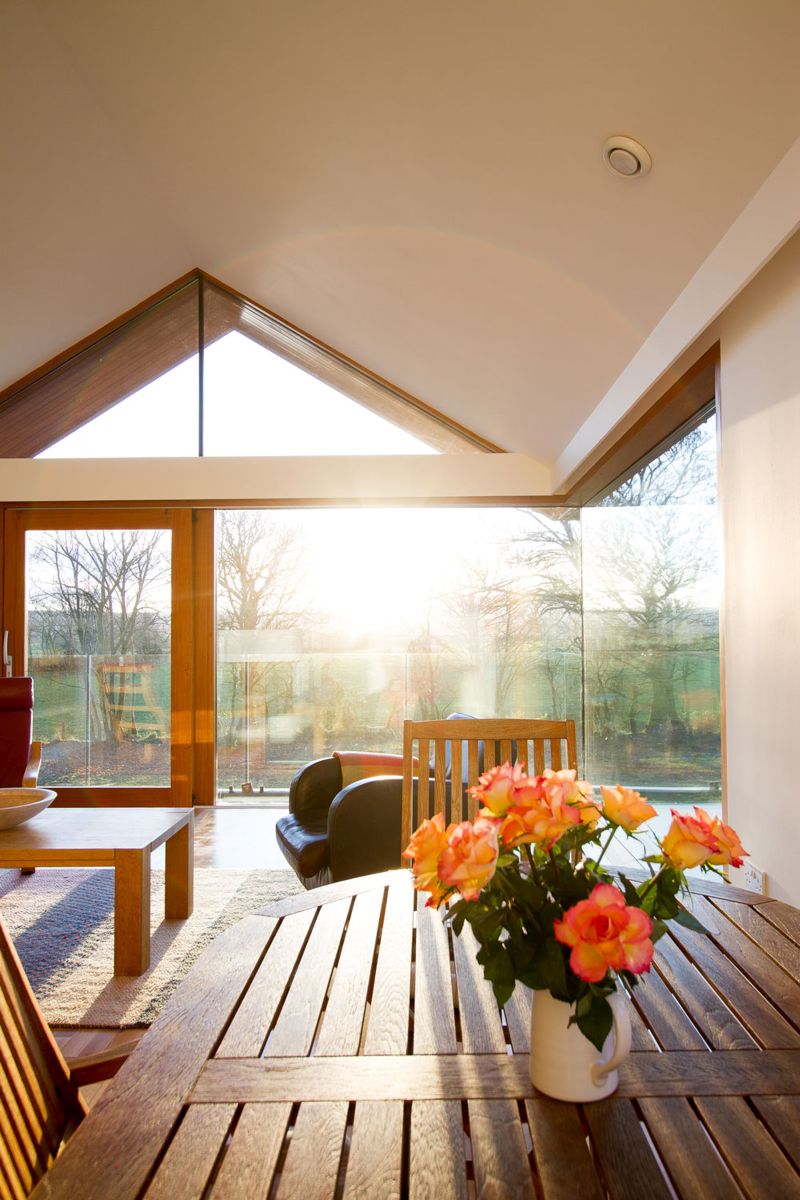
131,912
179,883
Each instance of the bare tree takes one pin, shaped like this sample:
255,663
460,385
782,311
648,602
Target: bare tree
492,620
635,581
258,573
259,578
97,592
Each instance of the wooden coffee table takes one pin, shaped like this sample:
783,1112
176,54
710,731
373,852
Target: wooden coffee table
122,838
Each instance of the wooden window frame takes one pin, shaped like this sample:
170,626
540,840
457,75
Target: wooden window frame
178,792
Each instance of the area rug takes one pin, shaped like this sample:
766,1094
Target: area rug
62,924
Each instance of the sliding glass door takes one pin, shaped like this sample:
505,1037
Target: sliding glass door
98,610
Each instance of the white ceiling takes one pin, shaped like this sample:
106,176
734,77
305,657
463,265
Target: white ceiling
418,184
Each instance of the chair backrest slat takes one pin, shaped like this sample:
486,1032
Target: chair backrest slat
40,1104
494,740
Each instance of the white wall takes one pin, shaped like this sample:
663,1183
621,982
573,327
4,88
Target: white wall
760,489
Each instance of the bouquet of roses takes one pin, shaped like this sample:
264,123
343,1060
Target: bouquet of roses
528,876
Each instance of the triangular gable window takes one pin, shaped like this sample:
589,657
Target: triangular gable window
202,371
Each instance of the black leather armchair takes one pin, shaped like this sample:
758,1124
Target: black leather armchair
334,832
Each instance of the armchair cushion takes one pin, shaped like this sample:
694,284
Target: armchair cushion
16,720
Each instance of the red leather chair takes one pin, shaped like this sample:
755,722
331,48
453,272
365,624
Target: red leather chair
20,758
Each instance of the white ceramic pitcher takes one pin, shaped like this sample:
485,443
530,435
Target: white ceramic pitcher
564,1063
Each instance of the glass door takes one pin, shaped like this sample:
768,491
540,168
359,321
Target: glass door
97,606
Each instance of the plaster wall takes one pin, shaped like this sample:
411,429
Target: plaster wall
760,509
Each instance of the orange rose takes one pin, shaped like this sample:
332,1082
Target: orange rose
470,858
606,933
562,789
501,787
425,849
622,806
534,823
731,852
690,841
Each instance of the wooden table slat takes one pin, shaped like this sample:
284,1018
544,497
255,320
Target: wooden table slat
437,1166
387,1025
467,1076
668,1020
629,1165
498,1150
782,1115
694,1166
344,1014
752,1154
297,1021
434,1020
518,1019
375,1161
250,1160
756,925
720,1025
750,1006
248,1030
320,897
311,1168
558,1138
783,991
481,1026
186,1167
783,916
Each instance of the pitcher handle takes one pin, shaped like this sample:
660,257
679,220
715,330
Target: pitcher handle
622,1038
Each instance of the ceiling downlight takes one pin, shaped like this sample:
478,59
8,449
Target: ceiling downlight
626,157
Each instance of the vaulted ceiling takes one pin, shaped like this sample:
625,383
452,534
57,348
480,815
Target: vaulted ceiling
419,185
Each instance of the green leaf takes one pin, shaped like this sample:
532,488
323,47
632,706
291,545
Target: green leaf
685,918
596,1023
550,963
659,929
631,894
503,990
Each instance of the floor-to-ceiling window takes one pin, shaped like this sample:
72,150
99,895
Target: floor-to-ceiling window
334,625
651,628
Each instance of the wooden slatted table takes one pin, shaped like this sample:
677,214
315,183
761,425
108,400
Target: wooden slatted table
343,1043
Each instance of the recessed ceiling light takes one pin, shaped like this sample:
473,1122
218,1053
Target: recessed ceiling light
626,157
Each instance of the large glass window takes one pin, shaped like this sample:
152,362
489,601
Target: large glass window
651,629
335,625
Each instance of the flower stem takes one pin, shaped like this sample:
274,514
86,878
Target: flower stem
608,843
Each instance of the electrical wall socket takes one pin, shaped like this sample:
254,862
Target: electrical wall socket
754,878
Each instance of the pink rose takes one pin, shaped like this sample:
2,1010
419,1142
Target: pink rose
606,933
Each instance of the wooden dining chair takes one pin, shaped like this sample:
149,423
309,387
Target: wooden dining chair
459,751
40,1105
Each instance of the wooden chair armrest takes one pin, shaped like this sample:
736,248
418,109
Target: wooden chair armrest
93,1068
31,776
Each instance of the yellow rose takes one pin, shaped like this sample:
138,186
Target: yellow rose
625,807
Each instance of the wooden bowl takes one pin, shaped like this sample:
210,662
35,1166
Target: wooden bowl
20,804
